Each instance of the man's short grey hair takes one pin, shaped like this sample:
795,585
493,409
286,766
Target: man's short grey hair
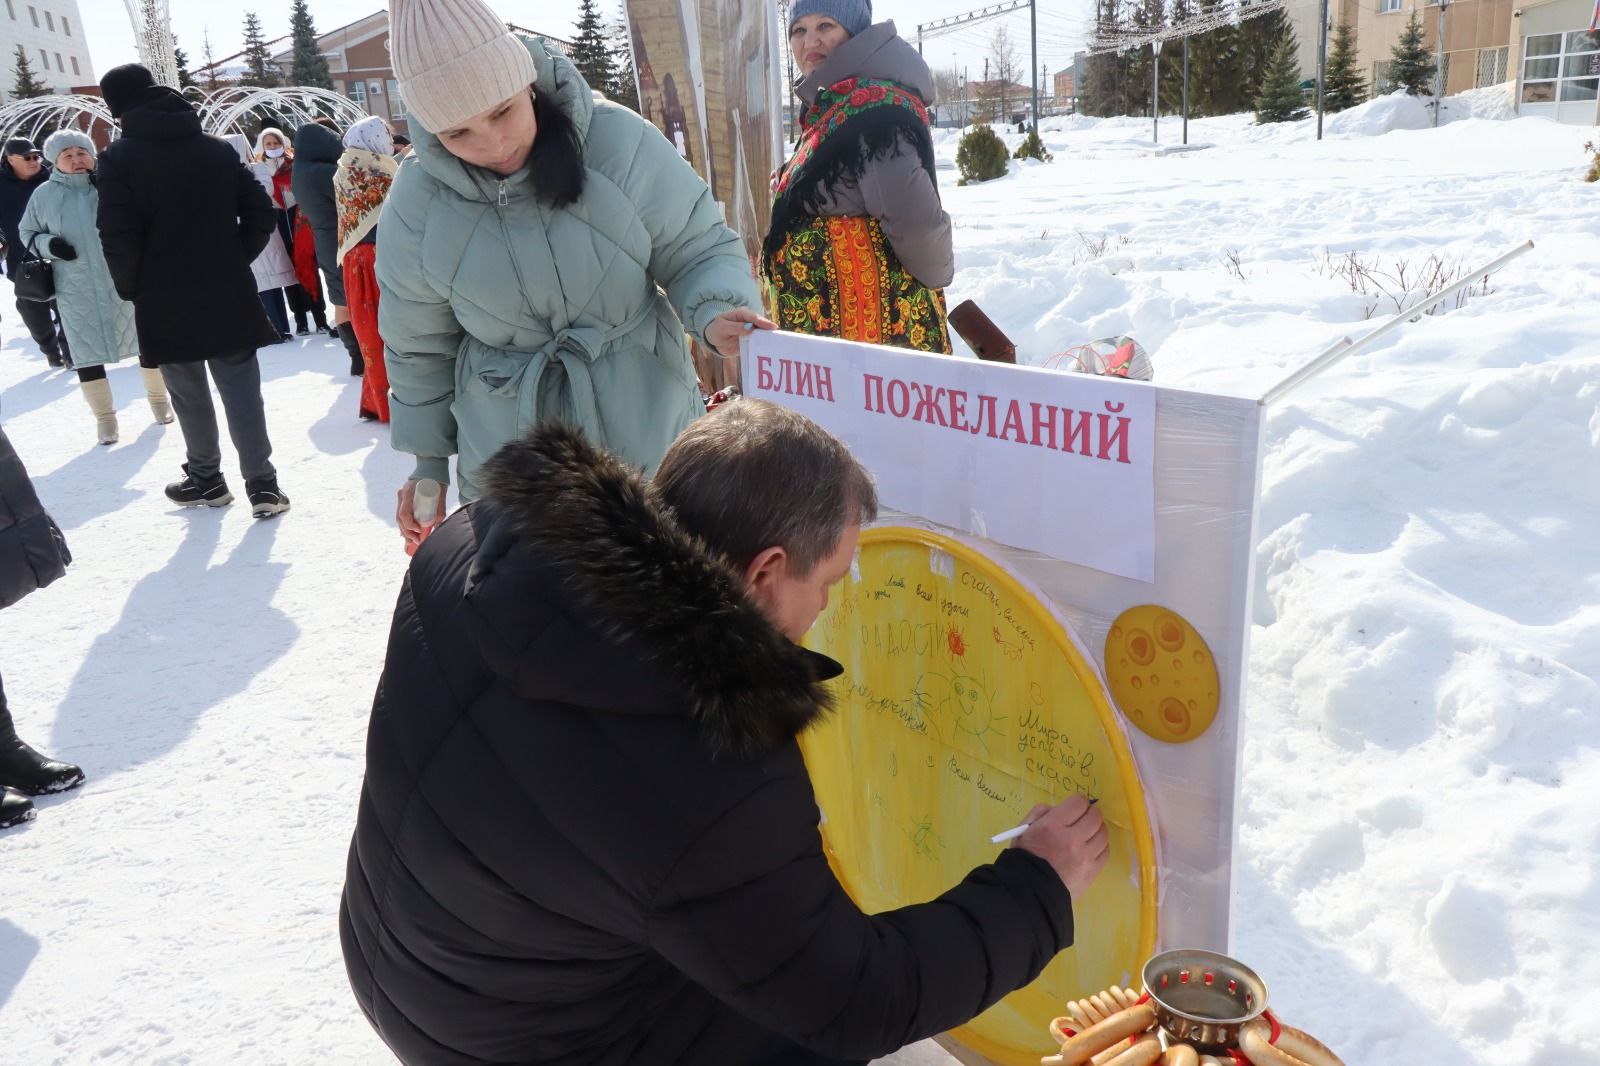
752,475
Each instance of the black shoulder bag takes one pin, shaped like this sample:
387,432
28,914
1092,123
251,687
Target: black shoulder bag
36,276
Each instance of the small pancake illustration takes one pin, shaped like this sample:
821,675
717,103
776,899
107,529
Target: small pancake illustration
1162,674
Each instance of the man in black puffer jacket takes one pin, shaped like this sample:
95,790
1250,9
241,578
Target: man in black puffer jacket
22,170
33,554
181,220
587,835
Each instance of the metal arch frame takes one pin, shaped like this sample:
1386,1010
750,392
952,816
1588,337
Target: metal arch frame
221,112
26,118
224,110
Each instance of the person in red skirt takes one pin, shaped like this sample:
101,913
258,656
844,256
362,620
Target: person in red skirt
366,170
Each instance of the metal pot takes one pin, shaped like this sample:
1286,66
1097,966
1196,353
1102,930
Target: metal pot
1203,998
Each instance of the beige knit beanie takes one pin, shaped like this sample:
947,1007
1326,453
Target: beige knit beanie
454,59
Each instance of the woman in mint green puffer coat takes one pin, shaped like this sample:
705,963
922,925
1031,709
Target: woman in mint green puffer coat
60,224
554,279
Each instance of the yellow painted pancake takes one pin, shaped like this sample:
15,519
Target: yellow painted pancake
964,703
1162,674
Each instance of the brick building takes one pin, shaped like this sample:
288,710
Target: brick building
358,59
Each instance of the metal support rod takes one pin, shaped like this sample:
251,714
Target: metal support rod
1322,65
1186,90
1033,26
1155,90
1346,348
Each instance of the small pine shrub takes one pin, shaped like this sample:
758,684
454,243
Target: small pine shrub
1033,148
1594,164
981,156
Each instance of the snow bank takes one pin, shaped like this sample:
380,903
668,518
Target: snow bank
1384,114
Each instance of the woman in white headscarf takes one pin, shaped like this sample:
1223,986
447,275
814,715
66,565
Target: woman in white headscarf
273,268
360,187
276,155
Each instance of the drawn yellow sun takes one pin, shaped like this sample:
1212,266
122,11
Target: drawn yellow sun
1162,674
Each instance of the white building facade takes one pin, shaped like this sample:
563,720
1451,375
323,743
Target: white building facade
52,34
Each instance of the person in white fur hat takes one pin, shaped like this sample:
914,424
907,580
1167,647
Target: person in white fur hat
541,256
60,224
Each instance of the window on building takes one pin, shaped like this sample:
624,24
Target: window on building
358,92
1492,63
75,71
1389,7
44,58
62,67
11,9
66,27
50,21
397,103
33,13
1557,66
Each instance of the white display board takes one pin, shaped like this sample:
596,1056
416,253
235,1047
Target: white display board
1133,531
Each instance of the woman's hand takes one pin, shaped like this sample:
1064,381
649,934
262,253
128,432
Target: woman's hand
403,516
726,329
62,249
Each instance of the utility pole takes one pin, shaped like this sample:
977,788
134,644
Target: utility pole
1438,67
1322,64
1033,25
1155,89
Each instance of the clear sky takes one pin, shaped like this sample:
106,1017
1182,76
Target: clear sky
111,38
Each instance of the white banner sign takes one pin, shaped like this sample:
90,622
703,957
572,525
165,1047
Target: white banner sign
1052,462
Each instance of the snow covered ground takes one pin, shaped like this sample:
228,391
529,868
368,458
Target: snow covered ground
1418,875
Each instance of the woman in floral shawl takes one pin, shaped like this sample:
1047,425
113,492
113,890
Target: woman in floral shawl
366,170
860,245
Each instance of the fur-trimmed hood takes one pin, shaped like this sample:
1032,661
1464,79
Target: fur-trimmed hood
648,621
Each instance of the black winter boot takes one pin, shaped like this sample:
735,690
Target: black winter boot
347,333
27,771
15,808
192,492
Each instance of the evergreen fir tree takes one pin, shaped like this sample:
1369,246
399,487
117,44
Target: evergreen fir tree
211,63
1412,64
310,66
1281,98
1259,39
185,76
1148,17
624,84
591,53
259,69
1342,86
27,85
1101,92
1213,67
1172,62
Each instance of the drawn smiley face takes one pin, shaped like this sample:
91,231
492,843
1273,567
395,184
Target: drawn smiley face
1162,674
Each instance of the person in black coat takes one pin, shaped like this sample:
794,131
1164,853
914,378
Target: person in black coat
317,148
22,170
587,834
33,554
182,219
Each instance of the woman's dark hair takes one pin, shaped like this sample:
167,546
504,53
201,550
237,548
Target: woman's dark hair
556,169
